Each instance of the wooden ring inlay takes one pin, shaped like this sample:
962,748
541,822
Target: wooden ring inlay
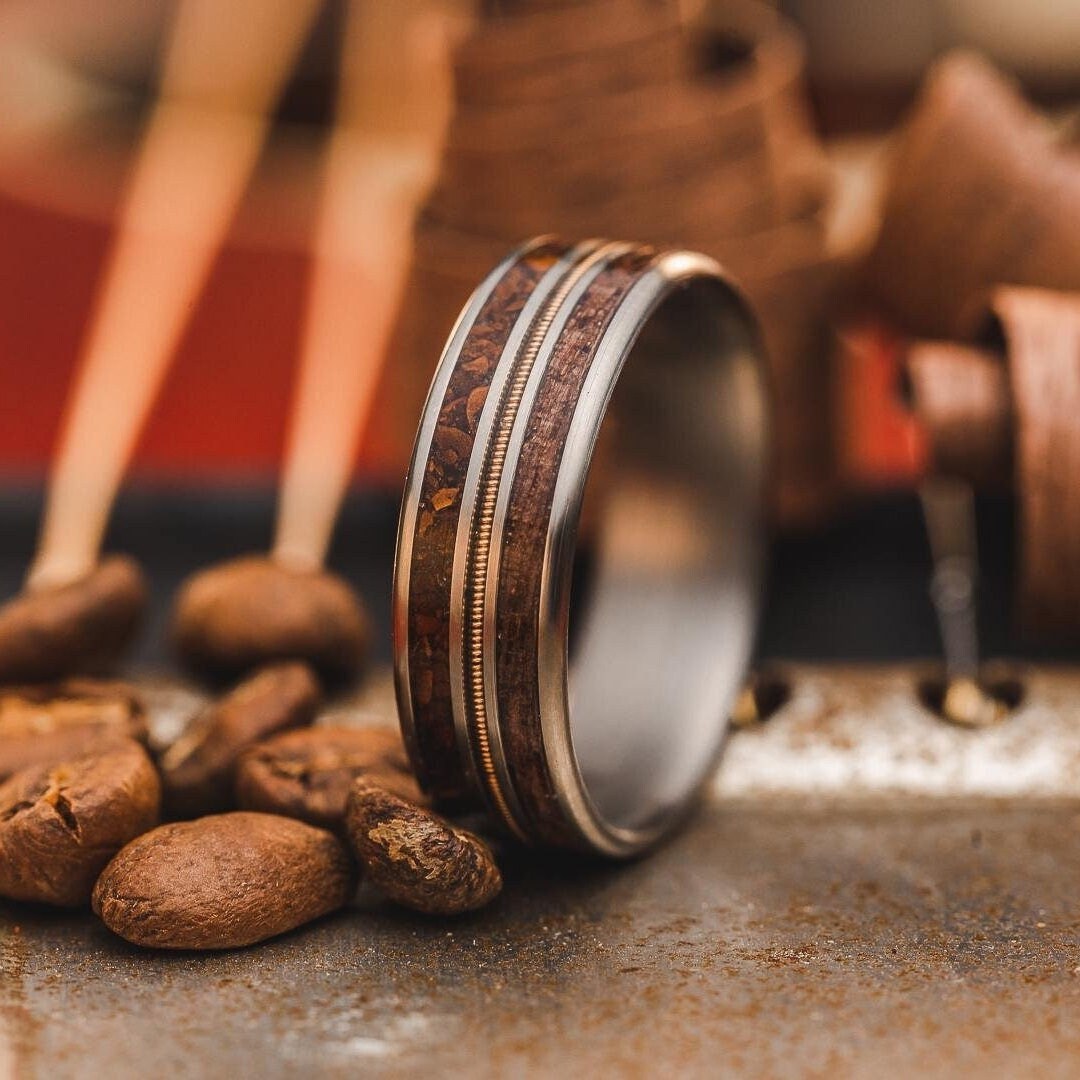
431,738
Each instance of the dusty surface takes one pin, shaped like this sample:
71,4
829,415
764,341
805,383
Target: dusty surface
779,935
856,733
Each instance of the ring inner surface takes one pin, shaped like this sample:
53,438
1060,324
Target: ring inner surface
666,577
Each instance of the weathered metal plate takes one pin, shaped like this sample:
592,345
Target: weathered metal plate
791,930
863,732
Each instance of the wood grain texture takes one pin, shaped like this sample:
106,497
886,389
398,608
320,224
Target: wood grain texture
525,536
1042,329
432,745
481,77
980,192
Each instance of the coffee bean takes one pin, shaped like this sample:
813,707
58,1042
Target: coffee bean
79,628
252,611
45,724
198,769
222,882
307,774
418,858
60,824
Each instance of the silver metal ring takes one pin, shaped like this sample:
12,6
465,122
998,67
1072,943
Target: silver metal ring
580,544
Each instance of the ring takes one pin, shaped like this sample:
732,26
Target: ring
579,552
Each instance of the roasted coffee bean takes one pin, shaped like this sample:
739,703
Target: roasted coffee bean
307,774
44,724
416,857
251,611
223,881
198,769
60,824
79,628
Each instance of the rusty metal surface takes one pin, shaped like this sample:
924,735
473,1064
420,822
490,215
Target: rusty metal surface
793,929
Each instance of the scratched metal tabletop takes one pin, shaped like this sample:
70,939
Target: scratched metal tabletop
867,890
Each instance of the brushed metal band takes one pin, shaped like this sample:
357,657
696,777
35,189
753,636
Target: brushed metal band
601,745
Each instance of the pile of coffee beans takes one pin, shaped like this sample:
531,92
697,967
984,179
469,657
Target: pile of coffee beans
254,821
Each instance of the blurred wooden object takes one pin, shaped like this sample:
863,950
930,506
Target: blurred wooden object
979,249
981,191
198,151
709,148
991,414
530,52
961,395
1042,332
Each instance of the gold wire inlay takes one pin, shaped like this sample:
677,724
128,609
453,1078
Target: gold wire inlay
476,573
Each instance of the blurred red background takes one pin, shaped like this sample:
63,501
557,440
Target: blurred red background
223,409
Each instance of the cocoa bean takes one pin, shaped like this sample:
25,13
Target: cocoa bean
41,725
80,628
198,769
223,882
60,824
307,774
417,858
251,611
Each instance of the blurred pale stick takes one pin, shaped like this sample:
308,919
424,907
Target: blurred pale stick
393,111
224,67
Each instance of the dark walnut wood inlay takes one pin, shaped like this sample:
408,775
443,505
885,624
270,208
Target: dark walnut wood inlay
525,537
432,744
1042,329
